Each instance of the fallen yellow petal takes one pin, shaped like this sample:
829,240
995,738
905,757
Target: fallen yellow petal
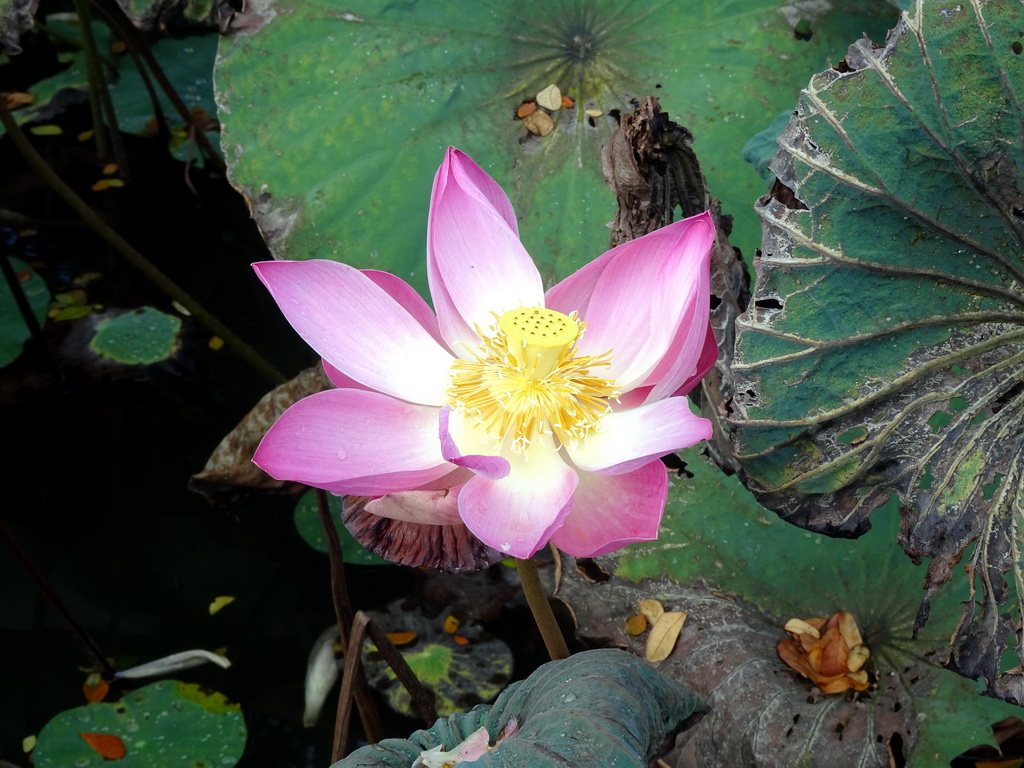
651,609
848,629
801,627
857,657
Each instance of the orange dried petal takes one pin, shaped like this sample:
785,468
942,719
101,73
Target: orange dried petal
526,108
106,744
834,653
789,651
401,638
635,625
97,692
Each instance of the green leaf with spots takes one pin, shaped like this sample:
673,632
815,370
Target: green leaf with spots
740,573
142,336
336,114
461,668
596,708
883,349
14,331
164,725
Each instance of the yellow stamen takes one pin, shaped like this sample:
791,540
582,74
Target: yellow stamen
526,381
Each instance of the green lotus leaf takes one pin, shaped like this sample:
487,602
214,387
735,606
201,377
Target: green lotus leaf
139,337
883,347
14,331
336,113
460,669
167,723
601,707
307,523
740,573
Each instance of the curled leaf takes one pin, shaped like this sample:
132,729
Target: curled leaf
174,663
321,675
596,708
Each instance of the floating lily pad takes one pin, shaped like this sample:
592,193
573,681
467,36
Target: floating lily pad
740,573
138,337
307,523
883,347
595,708
14,331
164,725
336,114
462,668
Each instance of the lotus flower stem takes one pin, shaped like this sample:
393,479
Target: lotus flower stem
537,599
360,688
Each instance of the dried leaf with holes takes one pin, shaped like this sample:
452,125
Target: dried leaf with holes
831,653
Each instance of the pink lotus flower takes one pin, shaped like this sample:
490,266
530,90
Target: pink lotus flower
546,414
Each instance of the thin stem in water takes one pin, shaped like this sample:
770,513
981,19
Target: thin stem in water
136,259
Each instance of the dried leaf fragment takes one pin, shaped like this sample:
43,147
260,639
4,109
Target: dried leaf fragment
16,99
539,123
663,636
550,98
401,638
